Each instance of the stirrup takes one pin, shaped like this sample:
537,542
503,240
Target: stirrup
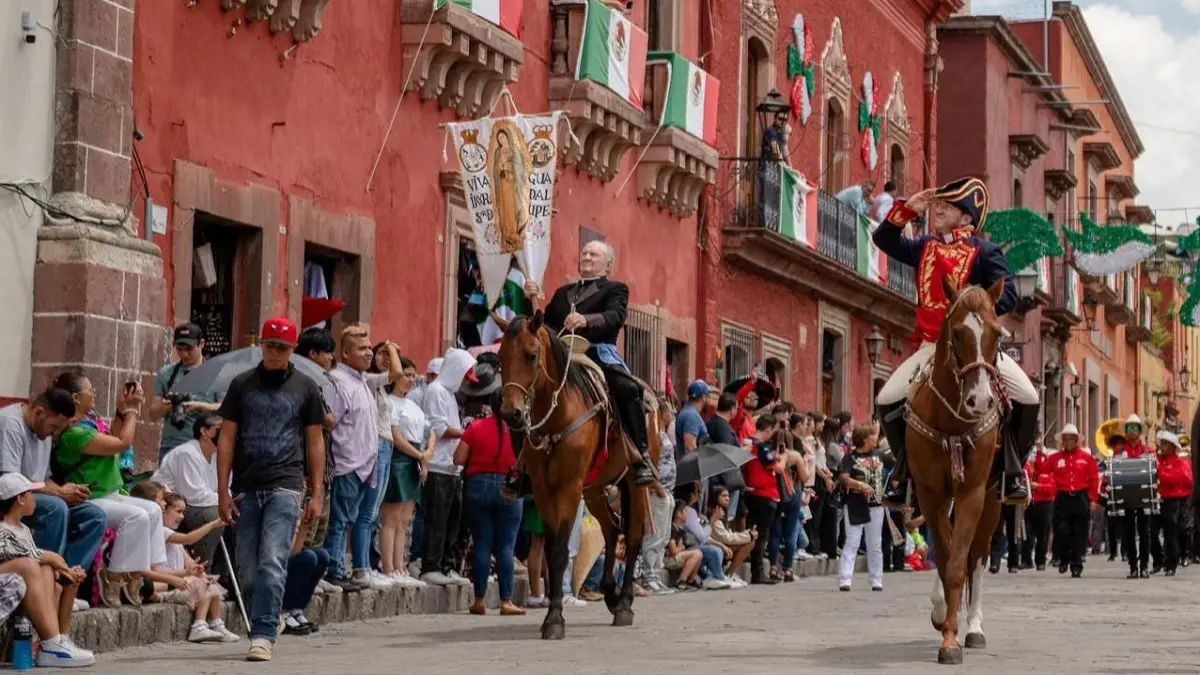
898,497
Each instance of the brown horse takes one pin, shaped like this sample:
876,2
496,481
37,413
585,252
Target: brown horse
953,432
561,405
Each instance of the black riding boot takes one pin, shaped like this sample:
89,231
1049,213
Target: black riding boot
891,419
1018,441
633,418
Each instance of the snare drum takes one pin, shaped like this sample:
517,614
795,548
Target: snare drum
1133,484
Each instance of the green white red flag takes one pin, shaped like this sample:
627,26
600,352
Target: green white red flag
504,13
613,52
872,263
691,102
797,207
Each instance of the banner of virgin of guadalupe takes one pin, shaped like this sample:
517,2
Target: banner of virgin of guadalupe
507,166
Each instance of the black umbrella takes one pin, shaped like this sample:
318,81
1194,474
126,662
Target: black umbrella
711,460
764,389
215,374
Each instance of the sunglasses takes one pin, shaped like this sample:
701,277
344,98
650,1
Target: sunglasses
1132,427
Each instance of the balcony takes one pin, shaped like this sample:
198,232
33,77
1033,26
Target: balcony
1059,182
820,260
462,60
1141,331
1123,311
1063,314
1025,148
1139,214
1120,186
1103,154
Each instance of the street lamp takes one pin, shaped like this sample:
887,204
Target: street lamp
1185,378
875,345
1089,312
1153,268
1076,389
1026,282
1052,376
769,106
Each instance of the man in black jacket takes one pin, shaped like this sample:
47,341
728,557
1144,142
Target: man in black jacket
594,308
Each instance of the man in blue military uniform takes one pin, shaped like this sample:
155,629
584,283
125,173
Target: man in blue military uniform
594,308
955,248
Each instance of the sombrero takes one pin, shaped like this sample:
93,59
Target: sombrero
484,380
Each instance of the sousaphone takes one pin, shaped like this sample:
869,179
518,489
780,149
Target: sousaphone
1111,428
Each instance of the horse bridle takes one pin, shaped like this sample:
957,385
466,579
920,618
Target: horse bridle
960,373
530,392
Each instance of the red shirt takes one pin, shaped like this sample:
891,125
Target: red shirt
1041,474
1136,450
759,473
1076,470
1174,477
490,447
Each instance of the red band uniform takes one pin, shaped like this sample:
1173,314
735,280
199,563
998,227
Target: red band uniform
1039,515
1175,489
1135,531
1077,484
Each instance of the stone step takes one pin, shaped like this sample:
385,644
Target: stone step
105,629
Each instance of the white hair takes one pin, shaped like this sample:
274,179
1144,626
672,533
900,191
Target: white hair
610,254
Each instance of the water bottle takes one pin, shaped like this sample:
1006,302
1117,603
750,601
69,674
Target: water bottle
22,656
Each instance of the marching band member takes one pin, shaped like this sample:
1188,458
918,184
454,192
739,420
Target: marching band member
1040,514
1136,533
1077,484
1175,488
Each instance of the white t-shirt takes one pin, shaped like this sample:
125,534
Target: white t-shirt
881,207
185,470
20,449
175,555
408,417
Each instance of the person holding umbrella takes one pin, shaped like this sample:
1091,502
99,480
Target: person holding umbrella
270,442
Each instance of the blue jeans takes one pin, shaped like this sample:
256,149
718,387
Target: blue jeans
367,522
595,575
264,538
304,572
712,563
494,521
74,532
347,498
784,533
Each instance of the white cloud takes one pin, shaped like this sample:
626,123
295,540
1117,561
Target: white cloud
1192,6
1153,72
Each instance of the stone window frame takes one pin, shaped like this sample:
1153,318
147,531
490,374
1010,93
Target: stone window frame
898,129
730,329
760,23
197,188
835,75
457,227
775,347
348,234
837,321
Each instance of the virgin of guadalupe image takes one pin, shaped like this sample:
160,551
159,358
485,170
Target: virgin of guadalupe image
509,174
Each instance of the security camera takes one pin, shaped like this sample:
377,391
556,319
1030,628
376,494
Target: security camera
27,28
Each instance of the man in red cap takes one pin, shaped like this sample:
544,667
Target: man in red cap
270,436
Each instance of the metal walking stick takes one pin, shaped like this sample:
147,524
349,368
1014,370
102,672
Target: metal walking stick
237,591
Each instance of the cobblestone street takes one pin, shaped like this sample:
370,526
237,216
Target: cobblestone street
1035,623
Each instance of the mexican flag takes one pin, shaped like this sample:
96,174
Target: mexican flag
872,263
504,13
613,52
797,207
512,301
691,102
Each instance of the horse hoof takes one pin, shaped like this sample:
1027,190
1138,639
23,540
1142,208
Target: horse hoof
623,618
612,602
950,656
975,641
554,631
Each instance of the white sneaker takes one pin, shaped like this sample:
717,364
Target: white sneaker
61,652
572,601
260,650
537,602
407,581
367,578
736,582
802,556
326,587
81,605
658,588
226,634
380,580
202,633
715,584
821,556
459,579
436,579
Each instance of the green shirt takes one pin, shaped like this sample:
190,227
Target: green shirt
102,475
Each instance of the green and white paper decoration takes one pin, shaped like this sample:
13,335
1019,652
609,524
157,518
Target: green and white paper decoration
1025,236
868,121
800,69
1110,249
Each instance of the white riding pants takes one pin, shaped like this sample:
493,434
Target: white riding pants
1020,389
140,541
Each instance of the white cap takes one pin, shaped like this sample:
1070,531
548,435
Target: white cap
1169,437
435,366
1134,419
1069,430
14,484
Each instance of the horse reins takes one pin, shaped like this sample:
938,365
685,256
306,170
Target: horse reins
531,392
961,373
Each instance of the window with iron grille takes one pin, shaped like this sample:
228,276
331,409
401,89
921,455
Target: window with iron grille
642,346
587,235
738,351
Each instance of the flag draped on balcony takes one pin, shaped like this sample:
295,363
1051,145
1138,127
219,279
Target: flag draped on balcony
1109,249
613,52
797,207
504,13
872,262
691,101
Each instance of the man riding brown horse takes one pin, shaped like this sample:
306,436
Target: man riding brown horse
956,250
594,308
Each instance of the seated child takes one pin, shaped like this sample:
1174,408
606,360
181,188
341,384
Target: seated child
591,589
50,586
306,568
916,551
678,556
182,580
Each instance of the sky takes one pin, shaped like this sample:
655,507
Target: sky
1148,47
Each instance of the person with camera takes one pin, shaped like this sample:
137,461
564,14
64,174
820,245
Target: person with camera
179,411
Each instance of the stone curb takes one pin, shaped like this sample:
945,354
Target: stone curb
105,629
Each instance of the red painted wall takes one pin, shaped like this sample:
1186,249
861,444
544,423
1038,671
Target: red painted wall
311,125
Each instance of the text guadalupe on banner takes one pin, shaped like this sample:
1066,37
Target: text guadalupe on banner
507,166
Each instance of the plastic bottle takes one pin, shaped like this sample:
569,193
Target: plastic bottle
22,645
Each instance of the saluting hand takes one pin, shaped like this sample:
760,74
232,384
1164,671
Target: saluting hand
920,201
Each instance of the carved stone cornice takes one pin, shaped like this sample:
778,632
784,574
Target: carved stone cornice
675,170
1121,186
1103,154
464,62
604,124
1025,148
1059,182
1139,214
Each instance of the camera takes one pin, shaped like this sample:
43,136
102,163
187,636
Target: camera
177,417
